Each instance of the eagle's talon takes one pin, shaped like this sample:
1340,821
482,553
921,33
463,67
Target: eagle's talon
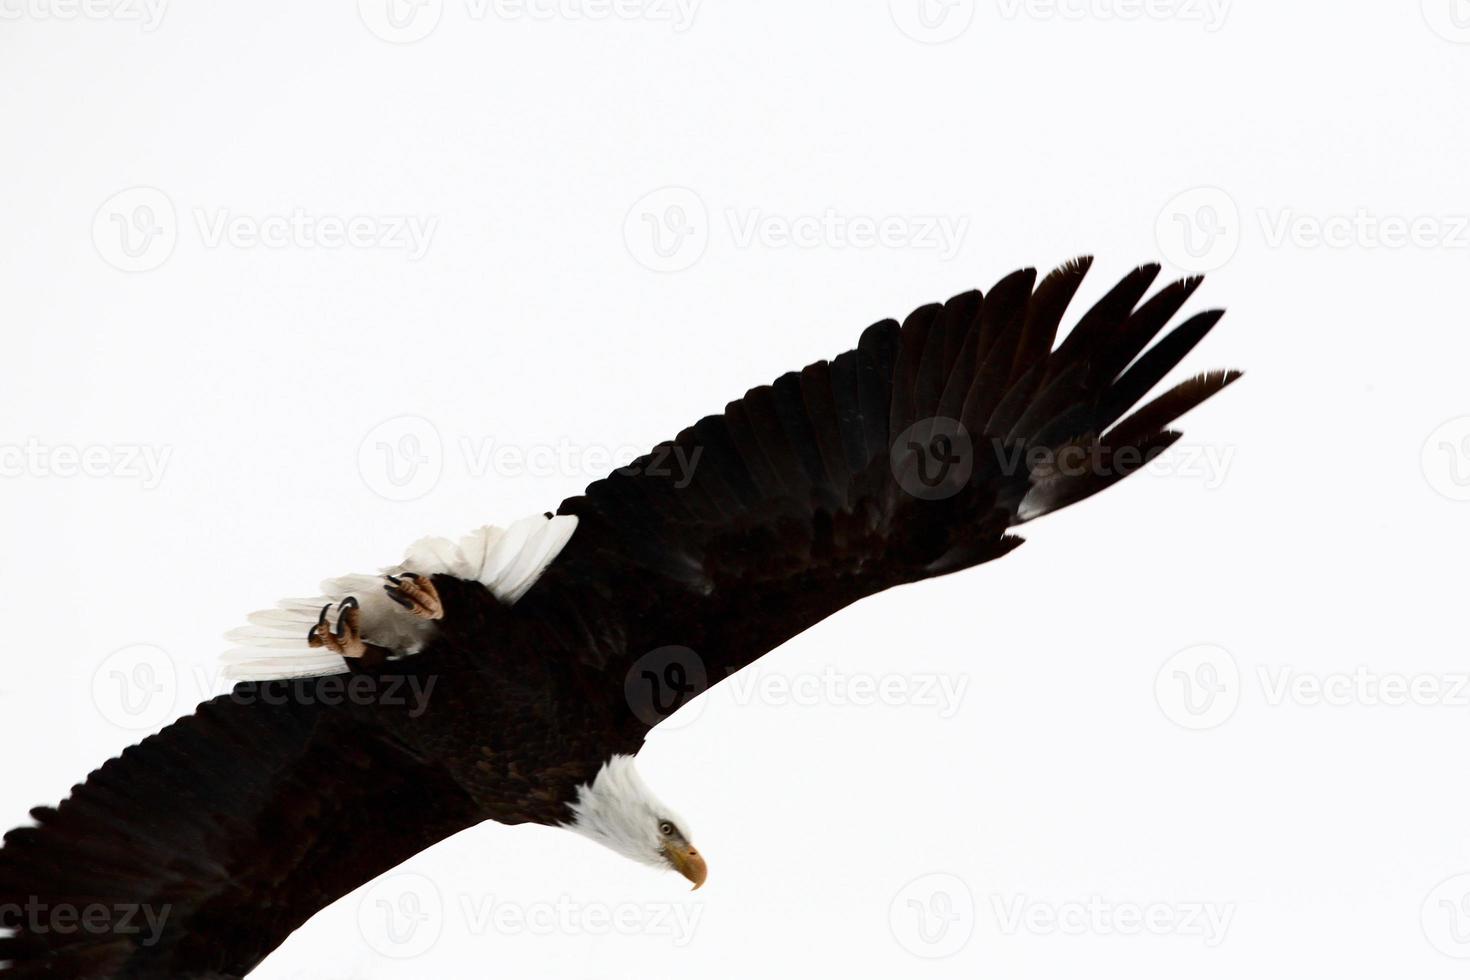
416,594
346,640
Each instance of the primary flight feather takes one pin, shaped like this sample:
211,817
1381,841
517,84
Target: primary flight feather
513,674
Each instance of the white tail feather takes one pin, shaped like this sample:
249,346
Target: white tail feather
507,561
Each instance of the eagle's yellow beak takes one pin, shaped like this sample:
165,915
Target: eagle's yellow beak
688,862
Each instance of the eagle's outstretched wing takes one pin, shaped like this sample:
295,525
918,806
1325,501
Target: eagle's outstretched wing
198,851
908,457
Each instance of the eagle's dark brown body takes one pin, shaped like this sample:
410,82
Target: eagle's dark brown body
266,805
509,716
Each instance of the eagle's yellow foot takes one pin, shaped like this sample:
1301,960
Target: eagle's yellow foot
416,593
346,640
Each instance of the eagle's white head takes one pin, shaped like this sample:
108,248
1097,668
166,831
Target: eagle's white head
618,811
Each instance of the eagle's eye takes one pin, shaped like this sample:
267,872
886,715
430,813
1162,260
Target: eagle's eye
666,828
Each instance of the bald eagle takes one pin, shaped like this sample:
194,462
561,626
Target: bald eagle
545,651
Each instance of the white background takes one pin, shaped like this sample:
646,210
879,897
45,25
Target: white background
1311,530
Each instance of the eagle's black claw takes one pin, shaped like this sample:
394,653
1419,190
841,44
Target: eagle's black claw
345,639
313,637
